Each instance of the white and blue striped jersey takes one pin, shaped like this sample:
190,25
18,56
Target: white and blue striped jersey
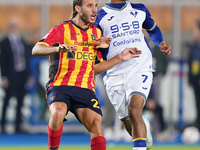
124,23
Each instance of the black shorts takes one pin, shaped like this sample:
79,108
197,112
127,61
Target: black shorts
74,97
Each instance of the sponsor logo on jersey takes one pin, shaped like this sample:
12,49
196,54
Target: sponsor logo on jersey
110,18
84,44
80,55
127,33
145,88
126,42
125,29
76,33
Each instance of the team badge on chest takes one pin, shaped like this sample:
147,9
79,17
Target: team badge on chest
93,36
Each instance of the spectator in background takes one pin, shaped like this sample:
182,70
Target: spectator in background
14,70
194,69
36,88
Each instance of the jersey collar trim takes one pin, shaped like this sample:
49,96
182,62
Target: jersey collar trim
83,29
117,7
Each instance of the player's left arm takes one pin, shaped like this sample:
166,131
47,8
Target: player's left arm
157,38
165,48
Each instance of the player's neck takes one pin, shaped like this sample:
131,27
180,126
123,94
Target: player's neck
80,22
116,1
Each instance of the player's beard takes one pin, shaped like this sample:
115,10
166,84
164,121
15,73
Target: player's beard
85,18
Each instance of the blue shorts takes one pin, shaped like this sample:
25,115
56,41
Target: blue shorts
74,97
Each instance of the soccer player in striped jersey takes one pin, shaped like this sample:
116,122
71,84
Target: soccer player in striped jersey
72,47
128,83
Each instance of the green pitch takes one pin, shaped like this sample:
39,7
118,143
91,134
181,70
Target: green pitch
108,148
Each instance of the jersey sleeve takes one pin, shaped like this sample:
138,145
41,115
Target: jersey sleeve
100,14
156,35
153,30
99,57
55,36
148,24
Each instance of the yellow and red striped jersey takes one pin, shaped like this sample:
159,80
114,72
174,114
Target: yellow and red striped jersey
74,68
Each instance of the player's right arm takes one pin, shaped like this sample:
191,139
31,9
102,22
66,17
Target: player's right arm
52,43
44,50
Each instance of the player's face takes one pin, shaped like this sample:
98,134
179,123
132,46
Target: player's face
89,11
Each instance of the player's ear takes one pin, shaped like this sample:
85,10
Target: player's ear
78,8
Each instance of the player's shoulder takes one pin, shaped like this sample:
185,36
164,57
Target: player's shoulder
100,15
101,11
139,6
61,24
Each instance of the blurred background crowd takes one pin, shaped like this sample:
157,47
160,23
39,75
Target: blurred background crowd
174,100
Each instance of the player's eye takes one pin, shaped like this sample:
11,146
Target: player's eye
89,5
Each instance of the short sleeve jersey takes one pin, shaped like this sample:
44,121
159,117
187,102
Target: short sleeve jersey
124,23
74,68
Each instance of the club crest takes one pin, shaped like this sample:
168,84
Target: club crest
93,36
134,13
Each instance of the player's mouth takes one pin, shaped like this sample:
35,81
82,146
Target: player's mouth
93,17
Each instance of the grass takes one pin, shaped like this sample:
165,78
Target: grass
108,148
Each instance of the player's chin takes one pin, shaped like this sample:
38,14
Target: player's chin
92,21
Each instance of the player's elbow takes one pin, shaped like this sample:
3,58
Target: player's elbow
35,50
96,73
96,70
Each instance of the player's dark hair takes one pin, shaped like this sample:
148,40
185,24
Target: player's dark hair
76,2
197,22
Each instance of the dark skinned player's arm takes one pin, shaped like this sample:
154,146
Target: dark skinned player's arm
107,64
126,54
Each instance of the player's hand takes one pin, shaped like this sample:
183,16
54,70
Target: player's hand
66,48
129,53
165,48
103,42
